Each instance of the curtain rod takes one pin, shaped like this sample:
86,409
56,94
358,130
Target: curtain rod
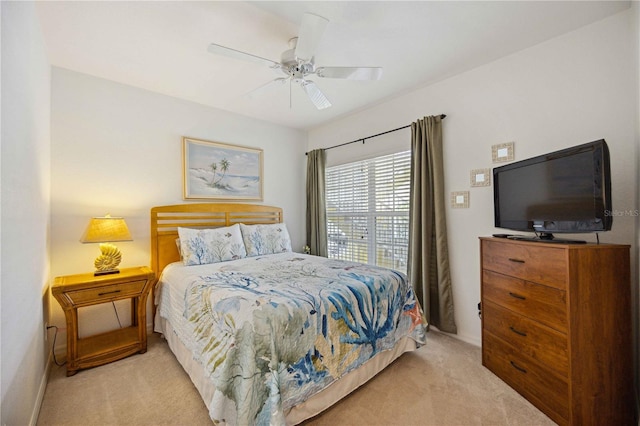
372,136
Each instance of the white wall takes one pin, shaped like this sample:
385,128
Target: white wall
25,172
567,91
118,149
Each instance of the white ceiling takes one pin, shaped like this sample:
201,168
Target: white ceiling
162,46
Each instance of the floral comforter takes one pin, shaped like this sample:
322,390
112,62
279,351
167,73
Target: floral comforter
271,331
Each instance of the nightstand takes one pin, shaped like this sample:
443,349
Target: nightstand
77,291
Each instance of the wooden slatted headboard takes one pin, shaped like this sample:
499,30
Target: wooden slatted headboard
165,221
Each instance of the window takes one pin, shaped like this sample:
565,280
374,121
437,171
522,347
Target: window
368,211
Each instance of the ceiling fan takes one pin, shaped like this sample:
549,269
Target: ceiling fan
298,63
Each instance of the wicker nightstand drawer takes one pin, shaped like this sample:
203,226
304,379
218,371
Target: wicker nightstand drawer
108,293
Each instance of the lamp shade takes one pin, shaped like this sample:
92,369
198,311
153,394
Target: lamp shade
106,229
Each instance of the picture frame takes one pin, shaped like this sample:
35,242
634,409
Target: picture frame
219,171
480,177
503,152
460,199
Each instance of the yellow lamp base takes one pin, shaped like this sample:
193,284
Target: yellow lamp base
108,261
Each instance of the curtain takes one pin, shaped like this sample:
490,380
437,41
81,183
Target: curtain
428,263
316,204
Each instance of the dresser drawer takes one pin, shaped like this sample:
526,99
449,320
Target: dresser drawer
546,390
545,265
107,293
541,343
540,303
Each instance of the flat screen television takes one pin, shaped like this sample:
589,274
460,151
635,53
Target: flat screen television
567,191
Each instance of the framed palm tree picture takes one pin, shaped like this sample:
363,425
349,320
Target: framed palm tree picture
213,170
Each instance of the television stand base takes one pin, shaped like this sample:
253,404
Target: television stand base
545,238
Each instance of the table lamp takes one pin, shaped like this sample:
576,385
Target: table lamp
106,230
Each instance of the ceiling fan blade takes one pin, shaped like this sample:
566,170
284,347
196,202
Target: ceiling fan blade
317,97
267,87
350,73
311,30
237,54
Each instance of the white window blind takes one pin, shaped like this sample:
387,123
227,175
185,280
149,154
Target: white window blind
368,210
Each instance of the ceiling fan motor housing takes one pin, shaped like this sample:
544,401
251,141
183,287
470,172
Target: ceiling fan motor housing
293,66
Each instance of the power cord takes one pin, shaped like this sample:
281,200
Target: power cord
116,311
55,336
53,348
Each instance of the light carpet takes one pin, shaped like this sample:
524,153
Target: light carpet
442,383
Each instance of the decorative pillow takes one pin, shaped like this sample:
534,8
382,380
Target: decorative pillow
202,246
265,239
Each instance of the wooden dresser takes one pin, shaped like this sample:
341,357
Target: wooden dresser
556,326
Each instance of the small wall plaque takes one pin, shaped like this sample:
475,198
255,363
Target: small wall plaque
460,199
481,177
502,152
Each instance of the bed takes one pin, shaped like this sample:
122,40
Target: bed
267,335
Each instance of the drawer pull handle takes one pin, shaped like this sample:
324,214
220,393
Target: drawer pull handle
108,292
516,260
517,296
520,333
517,367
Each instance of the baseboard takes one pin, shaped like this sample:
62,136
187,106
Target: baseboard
42,388
466,339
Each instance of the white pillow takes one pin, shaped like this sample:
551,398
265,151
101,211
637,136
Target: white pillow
265,239
202,246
